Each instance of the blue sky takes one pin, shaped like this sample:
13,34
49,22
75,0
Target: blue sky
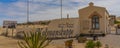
7,1
50,9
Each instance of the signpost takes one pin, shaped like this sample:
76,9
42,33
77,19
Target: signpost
9,24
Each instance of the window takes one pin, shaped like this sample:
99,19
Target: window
95,22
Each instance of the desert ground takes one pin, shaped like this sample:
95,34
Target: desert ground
6,42
112,40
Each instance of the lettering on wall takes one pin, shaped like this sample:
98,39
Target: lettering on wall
65,30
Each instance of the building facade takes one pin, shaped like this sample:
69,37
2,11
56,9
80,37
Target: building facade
93,19
62,28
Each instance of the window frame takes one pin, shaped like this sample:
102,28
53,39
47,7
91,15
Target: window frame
95,20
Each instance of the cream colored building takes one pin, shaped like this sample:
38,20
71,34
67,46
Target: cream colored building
93,19
66,27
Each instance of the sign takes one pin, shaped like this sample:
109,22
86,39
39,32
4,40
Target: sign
9,24
62,30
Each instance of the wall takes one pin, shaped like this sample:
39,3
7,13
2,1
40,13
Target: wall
85,20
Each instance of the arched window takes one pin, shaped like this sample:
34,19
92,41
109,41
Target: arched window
95,22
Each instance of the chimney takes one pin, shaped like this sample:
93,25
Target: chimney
91,4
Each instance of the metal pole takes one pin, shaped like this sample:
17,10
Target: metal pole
27,12
61,8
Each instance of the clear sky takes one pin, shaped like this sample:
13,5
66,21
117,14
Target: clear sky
50,9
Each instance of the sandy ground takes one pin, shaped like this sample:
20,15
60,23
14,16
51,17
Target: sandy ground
60,44
112,40
6,42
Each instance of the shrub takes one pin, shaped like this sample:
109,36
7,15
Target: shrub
34,40
82,39
98,44
116,22
90,44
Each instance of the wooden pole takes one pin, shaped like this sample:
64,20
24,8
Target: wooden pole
12,31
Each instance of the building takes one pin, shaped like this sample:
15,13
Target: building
93,19
112,20
62,28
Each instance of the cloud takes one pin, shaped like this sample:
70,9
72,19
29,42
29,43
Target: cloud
50,9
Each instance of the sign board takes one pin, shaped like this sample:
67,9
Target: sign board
9,24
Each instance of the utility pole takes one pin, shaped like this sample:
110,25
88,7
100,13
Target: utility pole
61,8
27,12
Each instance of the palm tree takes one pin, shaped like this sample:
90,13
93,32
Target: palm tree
34,40
90,44
98,44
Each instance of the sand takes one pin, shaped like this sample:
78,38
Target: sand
112,40
6,42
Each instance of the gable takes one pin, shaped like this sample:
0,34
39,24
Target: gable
95,13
